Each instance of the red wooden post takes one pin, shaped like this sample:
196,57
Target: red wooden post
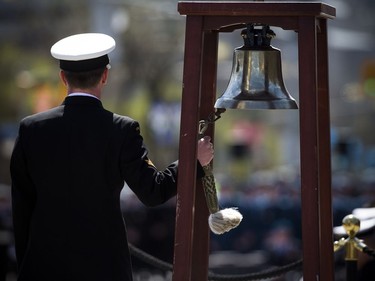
309,147
204,20
208,97
185,208
325,195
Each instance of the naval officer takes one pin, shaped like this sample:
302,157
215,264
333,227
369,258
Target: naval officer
68,167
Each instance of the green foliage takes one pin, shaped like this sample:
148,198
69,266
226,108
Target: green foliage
20,72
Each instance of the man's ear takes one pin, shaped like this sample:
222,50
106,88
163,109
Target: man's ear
105,76
63,78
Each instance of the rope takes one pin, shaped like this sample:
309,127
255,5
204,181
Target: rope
266,274
369,251
136,252
142,255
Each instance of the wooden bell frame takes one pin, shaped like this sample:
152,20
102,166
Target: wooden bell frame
204,21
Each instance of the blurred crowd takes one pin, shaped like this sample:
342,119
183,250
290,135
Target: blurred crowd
268,236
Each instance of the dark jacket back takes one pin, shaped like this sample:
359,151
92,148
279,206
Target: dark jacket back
68,167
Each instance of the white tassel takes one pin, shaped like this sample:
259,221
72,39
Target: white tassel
219,221
224,220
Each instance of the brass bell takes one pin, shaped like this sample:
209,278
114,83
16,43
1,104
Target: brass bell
256,81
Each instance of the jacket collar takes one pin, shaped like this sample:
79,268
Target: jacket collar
82,100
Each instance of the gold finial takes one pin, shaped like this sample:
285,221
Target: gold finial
351,225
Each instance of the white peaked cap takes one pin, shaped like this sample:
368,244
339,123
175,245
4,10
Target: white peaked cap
84,51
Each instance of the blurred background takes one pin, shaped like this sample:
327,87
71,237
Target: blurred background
256,152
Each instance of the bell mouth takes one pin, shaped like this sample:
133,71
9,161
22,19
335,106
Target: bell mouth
255,103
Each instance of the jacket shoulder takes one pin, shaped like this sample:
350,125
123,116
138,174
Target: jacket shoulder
124,121
117,118
45,115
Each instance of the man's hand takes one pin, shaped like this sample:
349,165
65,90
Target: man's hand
205,151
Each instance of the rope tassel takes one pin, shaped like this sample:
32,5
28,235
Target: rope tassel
220,221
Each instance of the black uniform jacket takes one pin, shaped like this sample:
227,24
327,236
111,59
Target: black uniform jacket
68,167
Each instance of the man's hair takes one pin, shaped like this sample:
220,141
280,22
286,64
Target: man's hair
84,80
